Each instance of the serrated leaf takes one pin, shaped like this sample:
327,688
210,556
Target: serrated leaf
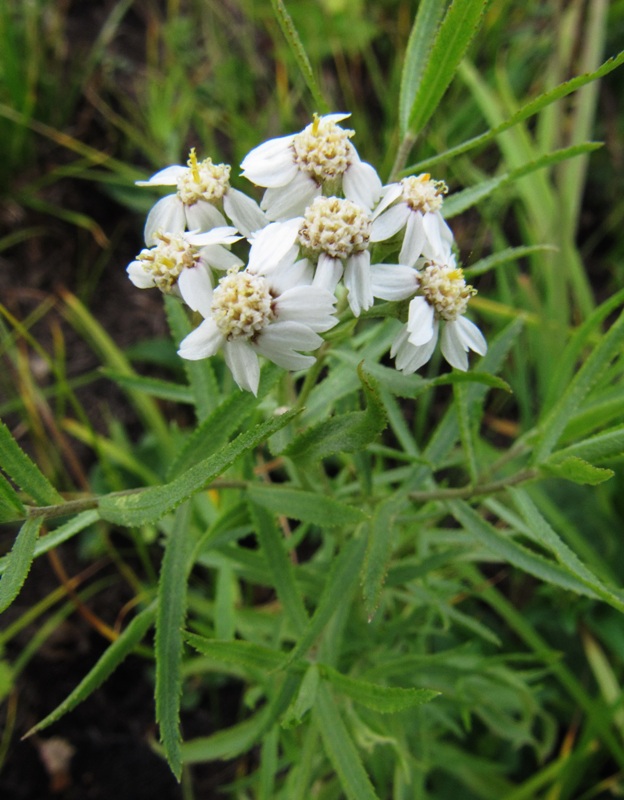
418,48
305,506
155,387
305,699
577,470
238,653
105,666
26,475
151,504
605,445
11,507
530,109
510,551
384,699
19,561
346,433
461,201
382,534
459,26
170,615
227,417
282,570
552,426
340,749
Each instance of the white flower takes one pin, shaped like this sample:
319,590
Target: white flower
295,168
181,263
414,204
442,300
202,189
273,315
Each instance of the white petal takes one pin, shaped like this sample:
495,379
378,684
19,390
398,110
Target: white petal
292,199
336,117
221,235
309,306
219,258
389,194
280,341
414,239
287,275
165,177
243,363
361,184
195,287
166,216
272,244
139,276
393,281
399,342
271,163
390,222
357,279
471,336
244,212
328,273
453,348
203,216
445,232
420,321
412,357
203,342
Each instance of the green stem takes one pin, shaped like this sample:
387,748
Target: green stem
466,492
405,148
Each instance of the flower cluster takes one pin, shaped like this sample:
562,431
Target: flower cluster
312,241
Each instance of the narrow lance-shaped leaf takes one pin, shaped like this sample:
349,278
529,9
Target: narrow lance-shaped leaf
26,475
381,539
419,45
347,433
247,655
458,28
169,642
150,504
11,507
384,699
106,665
577,470
19,561
340,749
305,506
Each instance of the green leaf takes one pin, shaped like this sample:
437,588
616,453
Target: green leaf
382,537
347,433
303,62
419,45
460,201
530,109
552,426
540,531
215,430
26,475
605,445
458,28
340,580
156,387
18,561
384,699
151,504
106,665
510,551
280,565
305,699
172,587
502,257
577,470
318,509
238,653
340,749
11,507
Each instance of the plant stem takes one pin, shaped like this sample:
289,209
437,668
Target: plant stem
475,490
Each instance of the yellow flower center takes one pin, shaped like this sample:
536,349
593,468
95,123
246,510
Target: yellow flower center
242,305
168,258
446,290
335,226
323,149
423,194
203,180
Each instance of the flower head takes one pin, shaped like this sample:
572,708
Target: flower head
182,262
441,302
203,191
297,168
414,205
249,314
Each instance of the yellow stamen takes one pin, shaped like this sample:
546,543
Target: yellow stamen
456,274
425,177
315,124
193,166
